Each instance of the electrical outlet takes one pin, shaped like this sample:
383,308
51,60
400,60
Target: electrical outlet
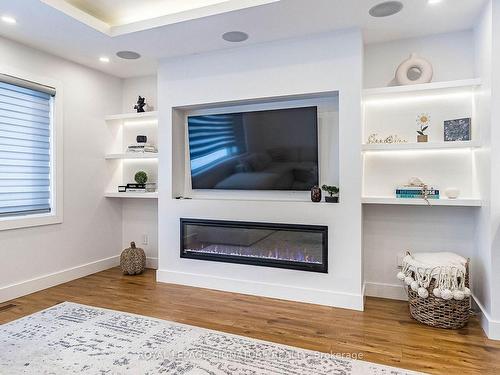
145,239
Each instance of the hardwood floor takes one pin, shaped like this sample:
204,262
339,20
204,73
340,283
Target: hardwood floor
384,333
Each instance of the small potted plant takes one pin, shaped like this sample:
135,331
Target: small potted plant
141,177
423,121
334,193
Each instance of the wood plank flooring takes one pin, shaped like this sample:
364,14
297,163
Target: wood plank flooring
384,333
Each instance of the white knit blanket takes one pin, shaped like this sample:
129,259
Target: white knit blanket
447,269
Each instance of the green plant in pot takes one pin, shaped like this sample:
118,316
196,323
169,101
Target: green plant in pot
333,192
141,177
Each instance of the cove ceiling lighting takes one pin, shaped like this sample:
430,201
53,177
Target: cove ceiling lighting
118,17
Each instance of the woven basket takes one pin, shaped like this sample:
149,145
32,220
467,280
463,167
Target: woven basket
437,312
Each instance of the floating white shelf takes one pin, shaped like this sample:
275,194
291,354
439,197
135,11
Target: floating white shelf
383,91
130,155
420,146
132,116
132,195
467,202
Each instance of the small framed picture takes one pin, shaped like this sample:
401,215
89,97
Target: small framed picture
457,130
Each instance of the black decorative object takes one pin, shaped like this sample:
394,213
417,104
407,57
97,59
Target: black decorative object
142,139
297,247
316,194
457,130
122,189
141,103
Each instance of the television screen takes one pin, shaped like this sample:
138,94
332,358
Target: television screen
261,150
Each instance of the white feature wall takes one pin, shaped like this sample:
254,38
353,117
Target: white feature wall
89,238
320,64
451,55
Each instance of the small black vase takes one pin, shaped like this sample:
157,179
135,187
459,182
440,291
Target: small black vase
316,194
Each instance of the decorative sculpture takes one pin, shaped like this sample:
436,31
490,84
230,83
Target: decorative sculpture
414,70
141,103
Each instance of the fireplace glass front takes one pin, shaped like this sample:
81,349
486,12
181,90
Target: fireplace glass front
299,247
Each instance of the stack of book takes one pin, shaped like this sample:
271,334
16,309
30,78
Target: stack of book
141,147
416,192
148,187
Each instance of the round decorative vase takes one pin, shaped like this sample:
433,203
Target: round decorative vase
414,70
422,138
133,260
316,194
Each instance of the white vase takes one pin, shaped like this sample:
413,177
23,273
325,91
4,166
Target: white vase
422,68
452,193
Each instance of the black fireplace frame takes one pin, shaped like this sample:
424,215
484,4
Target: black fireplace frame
301,266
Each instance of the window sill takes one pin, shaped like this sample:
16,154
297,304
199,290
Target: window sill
7,223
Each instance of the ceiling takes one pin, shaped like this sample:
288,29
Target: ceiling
84,30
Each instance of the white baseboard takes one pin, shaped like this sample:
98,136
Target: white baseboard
490,326
23,288
152,263
382,290
285,292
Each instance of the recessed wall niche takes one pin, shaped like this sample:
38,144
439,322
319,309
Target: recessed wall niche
328,144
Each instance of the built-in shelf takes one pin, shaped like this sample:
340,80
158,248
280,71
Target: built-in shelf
132,195
420,146
467,202
131,155
132,116
421,87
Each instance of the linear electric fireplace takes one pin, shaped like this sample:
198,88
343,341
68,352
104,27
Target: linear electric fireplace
298,247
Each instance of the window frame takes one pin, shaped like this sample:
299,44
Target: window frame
55,216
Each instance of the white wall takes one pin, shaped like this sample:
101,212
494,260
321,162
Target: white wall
451,54
140,216
323,63
91,230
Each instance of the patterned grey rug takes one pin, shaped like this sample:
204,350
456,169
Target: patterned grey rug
76,339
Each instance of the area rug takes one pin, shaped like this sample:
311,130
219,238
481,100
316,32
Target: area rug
70,338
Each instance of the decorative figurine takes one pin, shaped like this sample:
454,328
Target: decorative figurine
141,103
315,194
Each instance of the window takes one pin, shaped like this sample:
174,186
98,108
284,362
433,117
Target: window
27,186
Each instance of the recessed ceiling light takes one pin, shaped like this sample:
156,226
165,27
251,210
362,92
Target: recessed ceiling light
433,2
104,59
128,55
8,19
235,36
386,9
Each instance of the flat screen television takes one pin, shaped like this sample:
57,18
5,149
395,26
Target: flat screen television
259,150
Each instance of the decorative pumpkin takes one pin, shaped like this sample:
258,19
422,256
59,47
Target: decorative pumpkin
133,260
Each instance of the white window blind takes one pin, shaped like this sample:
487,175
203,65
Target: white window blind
25,147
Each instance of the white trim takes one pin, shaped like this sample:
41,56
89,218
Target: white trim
57,153
383,290
490,326
25,287
147,24
315,296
